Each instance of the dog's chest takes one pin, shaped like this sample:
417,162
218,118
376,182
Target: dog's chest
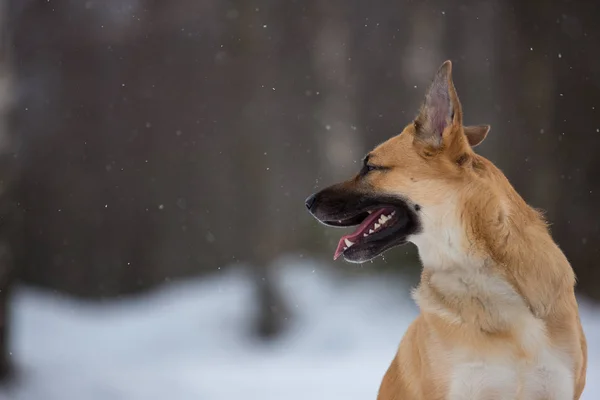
522,365
479,377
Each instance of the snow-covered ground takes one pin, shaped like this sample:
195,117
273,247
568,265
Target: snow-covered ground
189,341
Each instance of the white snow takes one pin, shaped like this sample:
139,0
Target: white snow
190,341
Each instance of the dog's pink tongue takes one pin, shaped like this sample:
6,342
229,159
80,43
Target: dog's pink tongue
348,240
342,245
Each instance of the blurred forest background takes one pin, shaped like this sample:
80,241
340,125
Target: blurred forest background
148,141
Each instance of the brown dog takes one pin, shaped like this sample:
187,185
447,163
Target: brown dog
499,319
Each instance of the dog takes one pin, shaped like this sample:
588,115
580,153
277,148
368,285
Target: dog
498,315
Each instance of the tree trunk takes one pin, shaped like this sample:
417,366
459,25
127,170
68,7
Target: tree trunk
6,178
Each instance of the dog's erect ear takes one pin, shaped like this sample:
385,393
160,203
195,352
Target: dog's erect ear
441,108
476,134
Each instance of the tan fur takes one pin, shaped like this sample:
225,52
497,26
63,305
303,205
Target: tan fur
499,318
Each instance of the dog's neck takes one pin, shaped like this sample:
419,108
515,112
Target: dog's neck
477,298
491,283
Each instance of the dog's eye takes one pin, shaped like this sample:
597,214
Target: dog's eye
368,168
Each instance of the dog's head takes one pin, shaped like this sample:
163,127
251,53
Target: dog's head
411,185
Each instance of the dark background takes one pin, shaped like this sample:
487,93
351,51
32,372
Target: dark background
148,141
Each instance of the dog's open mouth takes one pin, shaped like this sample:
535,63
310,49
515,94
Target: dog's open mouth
378,230
381,221
376,224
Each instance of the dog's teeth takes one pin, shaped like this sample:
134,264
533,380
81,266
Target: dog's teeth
377,226
393,213
382,219
389,216
370,212
365,234
371,231
345,248
348,243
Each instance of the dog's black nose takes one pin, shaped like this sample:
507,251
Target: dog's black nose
310,201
